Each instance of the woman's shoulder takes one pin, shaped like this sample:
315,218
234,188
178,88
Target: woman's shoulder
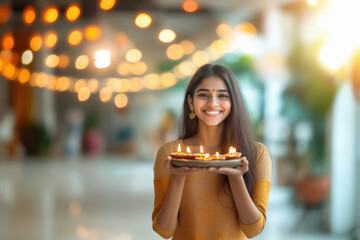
263,164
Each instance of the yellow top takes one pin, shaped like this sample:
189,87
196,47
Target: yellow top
204,212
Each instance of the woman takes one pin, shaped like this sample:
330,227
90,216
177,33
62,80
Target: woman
212,203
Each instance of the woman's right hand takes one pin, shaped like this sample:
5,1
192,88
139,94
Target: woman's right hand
179,171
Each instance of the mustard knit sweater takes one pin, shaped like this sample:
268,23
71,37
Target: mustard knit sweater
204,212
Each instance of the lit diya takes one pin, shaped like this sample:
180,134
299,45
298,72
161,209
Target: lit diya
232,154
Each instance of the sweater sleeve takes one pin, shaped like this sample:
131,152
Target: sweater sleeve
260,196
161,184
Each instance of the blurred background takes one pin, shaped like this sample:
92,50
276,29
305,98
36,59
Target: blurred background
89,90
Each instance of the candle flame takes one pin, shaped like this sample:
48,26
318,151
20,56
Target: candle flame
217,154
201,149
188,150
231,150
179,148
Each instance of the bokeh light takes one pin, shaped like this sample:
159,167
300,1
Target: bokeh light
190,6
107,4
92,32
167,35
175,52
36,42
7,41
27,57
121,100
50,14
102,58
50,39
29,15
143,20
133,55
75,37
81,62
72,12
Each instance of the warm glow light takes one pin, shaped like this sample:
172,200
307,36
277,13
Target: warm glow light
92,32
152,81
133,55
102,58
75,37
312,2
50,39
105,94
51,82
26,57
84,94
200,58
93,85
35,42
124,85
113,84
188,150
190,6
168,79
62,84
175,52
138,68
124,68
187,46
223,30
63,61
136,84
9,71
167,35
246,28
332,56
41,79
5,12
179,148
7,42
187,68
107,4
24,75
143,20
81,83
217,154
201,149
29,15
52,61
121,100
50,14
81,62
73,12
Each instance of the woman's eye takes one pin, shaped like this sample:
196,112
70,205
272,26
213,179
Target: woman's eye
202,95
223,96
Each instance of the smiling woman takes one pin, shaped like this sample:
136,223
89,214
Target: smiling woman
227,202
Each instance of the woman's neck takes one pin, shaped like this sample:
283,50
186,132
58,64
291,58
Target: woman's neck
209,137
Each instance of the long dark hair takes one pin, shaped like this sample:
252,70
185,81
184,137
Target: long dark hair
237,128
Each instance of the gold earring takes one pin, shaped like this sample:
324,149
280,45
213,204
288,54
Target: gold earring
192,115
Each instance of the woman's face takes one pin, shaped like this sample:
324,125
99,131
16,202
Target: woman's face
211,102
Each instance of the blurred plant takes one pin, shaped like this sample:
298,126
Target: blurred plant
309,97
35,139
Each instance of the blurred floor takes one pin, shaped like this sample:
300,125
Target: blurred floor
108,199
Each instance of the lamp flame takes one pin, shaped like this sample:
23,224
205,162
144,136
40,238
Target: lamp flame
188,150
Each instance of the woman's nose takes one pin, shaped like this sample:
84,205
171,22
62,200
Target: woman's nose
213,101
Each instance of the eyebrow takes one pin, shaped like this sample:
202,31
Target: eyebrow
208,90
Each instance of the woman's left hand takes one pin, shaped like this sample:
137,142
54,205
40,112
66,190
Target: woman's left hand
232,172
